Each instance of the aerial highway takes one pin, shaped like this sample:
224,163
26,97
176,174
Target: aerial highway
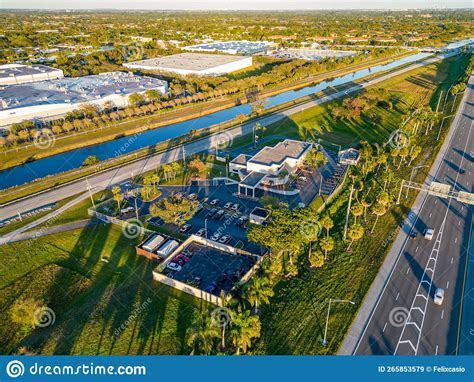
399,315
117,175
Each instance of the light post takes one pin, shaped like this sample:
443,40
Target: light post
324,342
411,176
205,227
320,184
90,193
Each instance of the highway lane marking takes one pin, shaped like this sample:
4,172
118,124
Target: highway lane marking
455,240
383,330
416,250
408,270
452,259
447,285
398,294
436,352
459,222
430,214
442,314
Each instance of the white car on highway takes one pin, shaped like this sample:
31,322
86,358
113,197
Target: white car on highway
429,232
439,296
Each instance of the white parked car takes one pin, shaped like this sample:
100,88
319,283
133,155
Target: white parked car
174,267
216,236
439,296
429,233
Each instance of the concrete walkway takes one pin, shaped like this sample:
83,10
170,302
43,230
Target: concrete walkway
371,300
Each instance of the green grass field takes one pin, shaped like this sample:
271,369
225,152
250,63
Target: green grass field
90,298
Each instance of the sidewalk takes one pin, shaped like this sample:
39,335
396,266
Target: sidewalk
369,305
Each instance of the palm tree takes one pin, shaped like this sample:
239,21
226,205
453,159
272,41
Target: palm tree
327,245
414,152
355,233
378,210
327,223
366,203
259,291
244,328
117,195
202,334
357,210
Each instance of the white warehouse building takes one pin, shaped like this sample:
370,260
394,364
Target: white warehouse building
194,63
14,74
48,100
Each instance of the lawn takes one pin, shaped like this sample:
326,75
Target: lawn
412,88
294,321
91,298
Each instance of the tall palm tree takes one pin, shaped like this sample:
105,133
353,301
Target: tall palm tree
378,210
357,210
202,334
327,245
355,233
244,328
259,291
327,223
366,203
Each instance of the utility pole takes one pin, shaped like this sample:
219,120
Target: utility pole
439,99
136,208
400,192
348,211
88,185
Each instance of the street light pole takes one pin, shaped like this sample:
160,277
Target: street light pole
324,342
205,227
90,193
411,176
320,184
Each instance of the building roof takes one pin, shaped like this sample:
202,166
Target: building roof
276,155
16,70
253,179
234,47
240,159
187,61
261,212
73,90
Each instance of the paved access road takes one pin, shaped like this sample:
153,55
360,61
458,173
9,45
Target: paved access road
114,176
403,318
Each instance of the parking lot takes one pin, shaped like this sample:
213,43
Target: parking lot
209,269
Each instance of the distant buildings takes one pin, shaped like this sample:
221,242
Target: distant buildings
53,98
14,74
312,54
270,166
194,63
243,47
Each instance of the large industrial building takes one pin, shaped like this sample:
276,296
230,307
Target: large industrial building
311,54
243,47
14,74
52,99
194,63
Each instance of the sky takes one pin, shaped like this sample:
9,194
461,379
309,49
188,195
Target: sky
233,4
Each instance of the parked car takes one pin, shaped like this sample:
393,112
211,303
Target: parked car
211,288
216,236
183,257
224,239
212,212
201,232
214,202
236,207
185,228
174,266
192,196
242,220
219,214
439,296
228,205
